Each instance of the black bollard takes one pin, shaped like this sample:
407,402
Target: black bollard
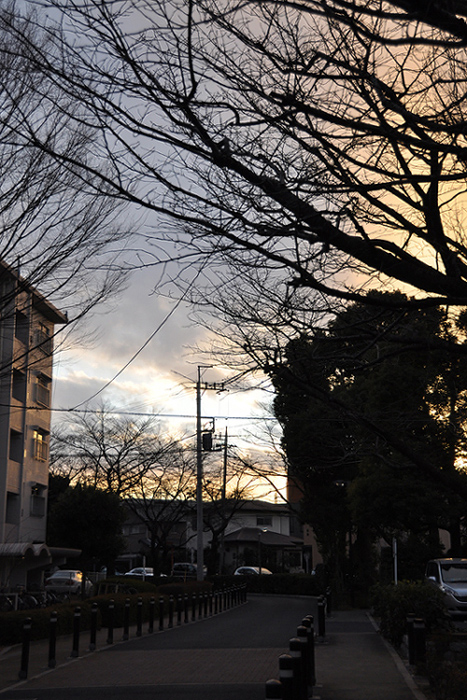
216,602
152,605
110,629
161,614
210,603
321,617
171,612
410,638
179,609
26,645
273,689
286,677
139,617
126,620
298,651
52,639
309,623
419,640
303,632
200,606
76,630
93,631
206,600
193,607
186,606
329,601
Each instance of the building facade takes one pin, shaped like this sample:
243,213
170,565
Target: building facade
255,529
27,322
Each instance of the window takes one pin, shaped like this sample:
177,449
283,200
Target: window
18,385
43,390
134,530
16,446
264,520
43,339
21,327
40,445
12,508
38,500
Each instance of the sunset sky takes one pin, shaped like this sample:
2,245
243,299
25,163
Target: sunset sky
158,379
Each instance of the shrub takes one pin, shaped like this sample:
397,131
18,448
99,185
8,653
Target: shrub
447,672
392,604
292,584
127,584
176,588
11,623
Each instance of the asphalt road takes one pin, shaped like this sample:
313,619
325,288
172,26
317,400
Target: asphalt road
226,657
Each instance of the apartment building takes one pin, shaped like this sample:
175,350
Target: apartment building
27,322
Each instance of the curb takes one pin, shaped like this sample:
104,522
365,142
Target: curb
401,667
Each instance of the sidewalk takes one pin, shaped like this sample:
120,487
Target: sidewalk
231,655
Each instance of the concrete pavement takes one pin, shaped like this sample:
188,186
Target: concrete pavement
224,657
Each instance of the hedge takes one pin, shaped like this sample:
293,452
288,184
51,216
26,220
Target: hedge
291,584
392,604
11,623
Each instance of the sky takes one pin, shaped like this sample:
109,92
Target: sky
161,380
158,379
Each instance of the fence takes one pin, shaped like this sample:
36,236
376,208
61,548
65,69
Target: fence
174,611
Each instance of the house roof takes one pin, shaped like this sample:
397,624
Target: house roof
256,506
268,537
22,549
32,549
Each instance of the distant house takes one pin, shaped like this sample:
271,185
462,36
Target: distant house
261,533
257,529
27,322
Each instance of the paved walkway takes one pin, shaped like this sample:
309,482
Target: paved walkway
225,657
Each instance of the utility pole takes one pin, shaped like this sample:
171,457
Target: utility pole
199,471
224,489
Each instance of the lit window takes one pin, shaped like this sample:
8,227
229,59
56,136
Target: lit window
40,446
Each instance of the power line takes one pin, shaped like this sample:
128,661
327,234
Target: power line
135,413
145,344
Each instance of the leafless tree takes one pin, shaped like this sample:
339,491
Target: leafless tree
323,144
154,474
114,453
58,229
308,150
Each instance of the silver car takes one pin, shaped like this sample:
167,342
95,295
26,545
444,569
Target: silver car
141,572
68,582
450,577
251,571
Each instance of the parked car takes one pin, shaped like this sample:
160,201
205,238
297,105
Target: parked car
450,577
251,571
68,581
140,572
185,569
